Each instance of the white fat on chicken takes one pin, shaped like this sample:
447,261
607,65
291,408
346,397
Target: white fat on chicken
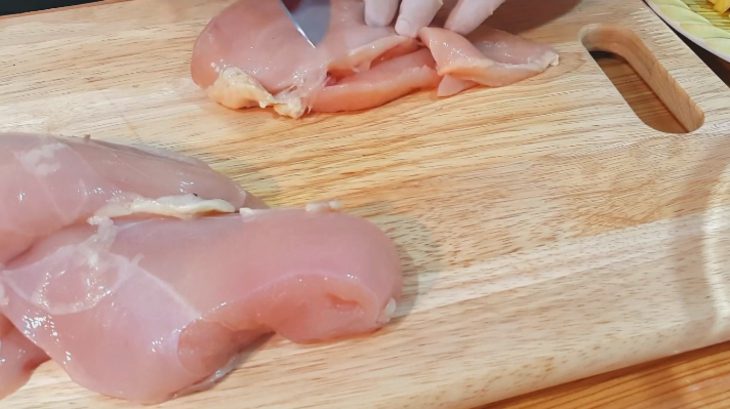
236,89
319,207
180,206
40,161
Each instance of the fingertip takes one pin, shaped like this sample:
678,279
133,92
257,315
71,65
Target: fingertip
380,13
405,28
468,15
460,25
416,14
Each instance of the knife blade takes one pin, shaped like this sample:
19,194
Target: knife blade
312,18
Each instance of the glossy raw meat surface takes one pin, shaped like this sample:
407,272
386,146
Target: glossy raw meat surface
383,83
18,358
252,55
135,270
145,309
47,183
497,59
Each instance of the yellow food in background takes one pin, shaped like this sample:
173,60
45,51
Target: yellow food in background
721,5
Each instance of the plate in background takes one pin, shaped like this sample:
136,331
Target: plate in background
699,22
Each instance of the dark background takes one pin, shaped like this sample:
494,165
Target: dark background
19,6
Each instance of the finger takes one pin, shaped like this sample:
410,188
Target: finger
380,12
470,14
416,14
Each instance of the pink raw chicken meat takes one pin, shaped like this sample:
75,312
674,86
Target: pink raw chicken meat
383,83
252,55
18,358
167,288
171,302
495,59
48,183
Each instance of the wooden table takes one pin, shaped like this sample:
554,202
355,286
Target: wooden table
698,379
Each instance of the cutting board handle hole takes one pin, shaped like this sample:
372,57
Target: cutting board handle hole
612,45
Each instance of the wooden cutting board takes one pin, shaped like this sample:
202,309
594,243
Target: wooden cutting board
547,233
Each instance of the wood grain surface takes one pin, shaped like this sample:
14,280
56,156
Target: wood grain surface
698,379
548,233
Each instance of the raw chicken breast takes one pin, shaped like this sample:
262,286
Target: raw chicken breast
18,358
47,183
495,59
241,34
252,55
145,309
379,85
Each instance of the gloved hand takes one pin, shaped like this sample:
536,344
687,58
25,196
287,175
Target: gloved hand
465,17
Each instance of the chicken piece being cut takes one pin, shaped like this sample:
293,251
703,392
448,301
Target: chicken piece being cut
383,83
416,14
146,309
47,183
493,58
351,46
251,54
18,358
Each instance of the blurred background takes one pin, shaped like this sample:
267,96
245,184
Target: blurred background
20,6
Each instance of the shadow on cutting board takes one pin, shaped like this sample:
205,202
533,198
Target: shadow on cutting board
22,6
702,296
691,378
421,256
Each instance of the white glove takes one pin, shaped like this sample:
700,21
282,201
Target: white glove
466,16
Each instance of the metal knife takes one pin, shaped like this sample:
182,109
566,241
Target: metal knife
312,18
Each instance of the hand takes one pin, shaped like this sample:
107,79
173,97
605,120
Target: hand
465,17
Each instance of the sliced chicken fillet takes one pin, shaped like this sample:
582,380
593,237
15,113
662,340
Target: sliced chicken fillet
508,58
383,83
